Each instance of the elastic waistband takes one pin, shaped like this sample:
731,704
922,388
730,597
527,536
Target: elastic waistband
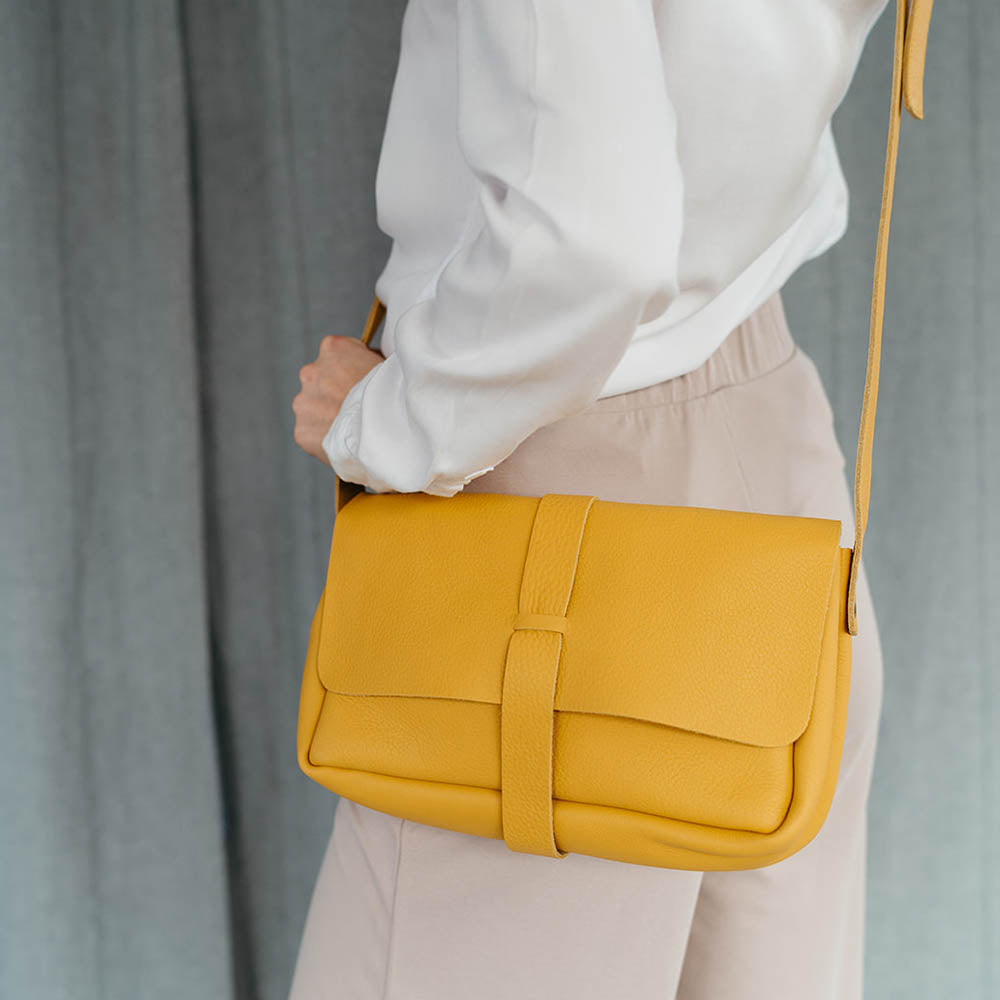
755,347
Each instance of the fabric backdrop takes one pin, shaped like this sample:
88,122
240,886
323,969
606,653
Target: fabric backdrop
186,202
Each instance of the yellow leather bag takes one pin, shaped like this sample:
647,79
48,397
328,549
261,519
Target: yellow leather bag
658,685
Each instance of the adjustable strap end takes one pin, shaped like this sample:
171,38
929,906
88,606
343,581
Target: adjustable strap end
918,22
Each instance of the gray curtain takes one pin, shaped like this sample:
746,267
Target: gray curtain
186,201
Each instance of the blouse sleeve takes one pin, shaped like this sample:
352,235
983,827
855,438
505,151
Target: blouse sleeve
564,120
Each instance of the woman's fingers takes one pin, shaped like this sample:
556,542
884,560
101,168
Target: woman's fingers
340,363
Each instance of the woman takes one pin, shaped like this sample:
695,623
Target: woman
594,207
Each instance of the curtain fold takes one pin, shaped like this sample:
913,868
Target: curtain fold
112,848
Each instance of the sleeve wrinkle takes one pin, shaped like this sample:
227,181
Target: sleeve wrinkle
580,203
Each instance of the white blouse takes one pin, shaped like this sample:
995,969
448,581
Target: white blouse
584,198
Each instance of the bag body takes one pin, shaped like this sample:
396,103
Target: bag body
616,679
647,683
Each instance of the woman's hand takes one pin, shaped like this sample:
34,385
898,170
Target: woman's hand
340,363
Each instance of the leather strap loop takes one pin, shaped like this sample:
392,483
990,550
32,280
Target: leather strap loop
545,623
530,674
909,56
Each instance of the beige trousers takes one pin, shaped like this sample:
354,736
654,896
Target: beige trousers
404,911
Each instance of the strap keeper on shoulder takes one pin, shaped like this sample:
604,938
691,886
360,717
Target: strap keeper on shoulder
918,24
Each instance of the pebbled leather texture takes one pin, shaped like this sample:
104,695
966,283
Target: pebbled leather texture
566,670
656,685
534,648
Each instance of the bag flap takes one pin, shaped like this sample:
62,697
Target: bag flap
704,619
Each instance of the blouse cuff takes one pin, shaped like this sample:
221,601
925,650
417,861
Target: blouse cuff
342,444
342,440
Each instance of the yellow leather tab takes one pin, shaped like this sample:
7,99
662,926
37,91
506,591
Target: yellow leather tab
526,733
530,673
918,25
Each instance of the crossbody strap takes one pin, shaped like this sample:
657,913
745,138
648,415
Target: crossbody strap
913,18
909,50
